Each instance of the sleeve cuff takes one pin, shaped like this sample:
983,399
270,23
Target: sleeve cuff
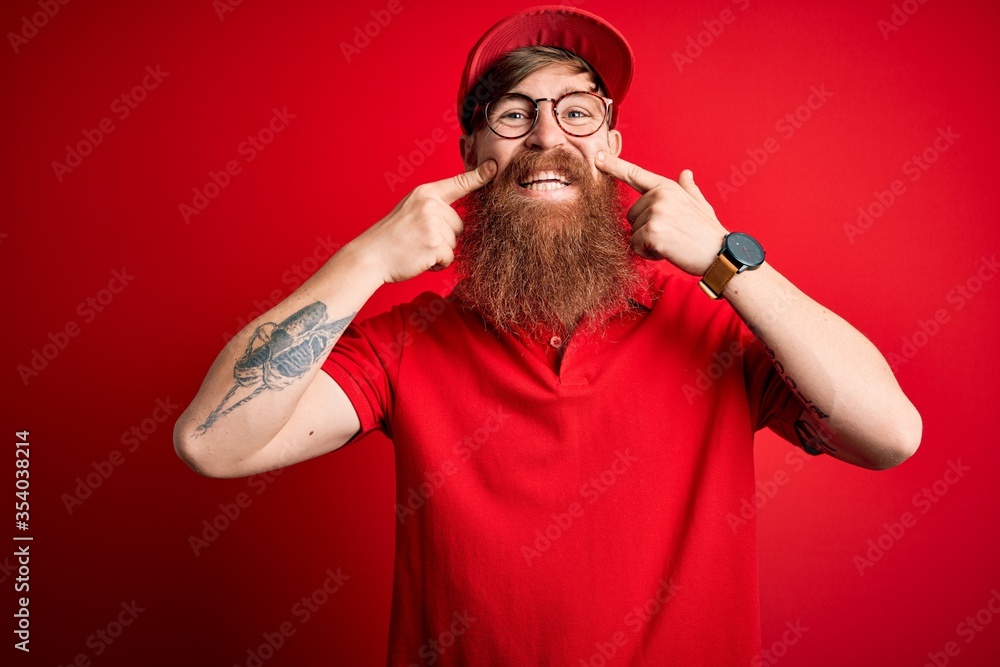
354,394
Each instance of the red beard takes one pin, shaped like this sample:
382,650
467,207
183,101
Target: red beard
541,265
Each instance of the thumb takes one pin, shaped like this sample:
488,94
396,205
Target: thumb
456,187
686,181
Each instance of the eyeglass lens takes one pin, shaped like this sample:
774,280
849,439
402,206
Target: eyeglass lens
578,114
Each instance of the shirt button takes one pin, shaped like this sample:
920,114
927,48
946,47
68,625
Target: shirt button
556,342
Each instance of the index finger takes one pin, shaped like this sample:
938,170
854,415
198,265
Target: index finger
452,189
633,174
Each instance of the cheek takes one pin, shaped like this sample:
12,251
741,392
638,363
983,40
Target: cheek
589,152
492,150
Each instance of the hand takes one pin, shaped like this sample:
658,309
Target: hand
420,232
671,220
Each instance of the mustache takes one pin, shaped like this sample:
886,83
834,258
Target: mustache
524,164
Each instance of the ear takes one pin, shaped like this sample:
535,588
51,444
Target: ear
467,149
615,142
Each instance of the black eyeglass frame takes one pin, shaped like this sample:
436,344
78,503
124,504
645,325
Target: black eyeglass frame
608,102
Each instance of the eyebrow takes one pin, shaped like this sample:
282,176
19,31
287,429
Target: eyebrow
592,88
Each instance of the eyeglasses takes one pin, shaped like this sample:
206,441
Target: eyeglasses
579,113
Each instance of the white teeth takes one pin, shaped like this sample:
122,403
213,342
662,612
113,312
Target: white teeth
547,176
545,185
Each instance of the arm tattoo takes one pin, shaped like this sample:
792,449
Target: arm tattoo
814,435
278,355
814,440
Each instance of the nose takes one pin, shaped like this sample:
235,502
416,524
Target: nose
546,133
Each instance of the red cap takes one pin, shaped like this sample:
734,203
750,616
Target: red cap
585,34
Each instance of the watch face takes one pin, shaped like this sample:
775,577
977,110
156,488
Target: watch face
744,249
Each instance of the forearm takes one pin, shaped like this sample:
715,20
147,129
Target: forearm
264,378
257,380
854,403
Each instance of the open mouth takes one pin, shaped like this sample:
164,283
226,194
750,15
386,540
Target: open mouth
546,180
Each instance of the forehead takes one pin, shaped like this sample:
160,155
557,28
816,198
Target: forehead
553,81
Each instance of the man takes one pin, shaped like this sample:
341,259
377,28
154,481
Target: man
563,483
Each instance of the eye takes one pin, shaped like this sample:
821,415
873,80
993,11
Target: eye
515,115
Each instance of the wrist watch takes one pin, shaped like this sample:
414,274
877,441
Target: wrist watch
739,252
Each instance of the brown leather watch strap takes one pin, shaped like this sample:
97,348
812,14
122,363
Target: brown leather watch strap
718,276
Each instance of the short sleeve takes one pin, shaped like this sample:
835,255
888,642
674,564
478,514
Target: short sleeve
365,363
772,403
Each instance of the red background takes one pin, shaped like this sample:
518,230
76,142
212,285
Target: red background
323,177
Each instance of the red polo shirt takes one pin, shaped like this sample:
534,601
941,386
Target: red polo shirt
569,511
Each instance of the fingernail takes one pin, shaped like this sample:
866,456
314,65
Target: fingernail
490,167
600,156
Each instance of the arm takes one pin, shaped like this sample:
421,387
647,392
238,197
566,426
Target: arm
853,408
264,404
